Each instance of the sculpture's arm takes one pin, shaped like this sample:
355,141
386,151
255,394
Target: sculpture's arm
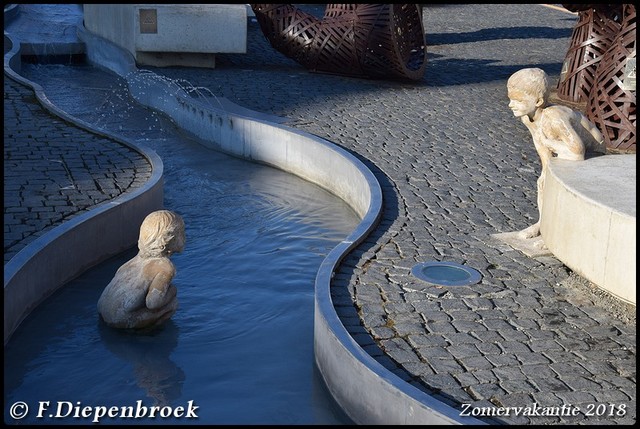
160,291
592,128
598,143
561,138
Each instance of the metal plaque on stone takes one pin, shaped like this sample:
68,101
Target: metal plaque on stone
149,21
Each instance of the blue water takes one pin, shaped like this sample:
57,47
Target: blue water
240,345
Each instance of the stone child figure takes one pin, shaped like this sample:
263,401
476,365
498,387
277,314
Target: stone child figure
141,295
557,131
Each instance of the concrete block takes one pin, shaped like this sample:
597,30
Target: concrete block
589,220
171,34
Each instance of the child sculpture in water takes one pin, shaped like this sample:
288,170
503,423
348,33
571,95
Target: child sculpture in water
141,295
557,131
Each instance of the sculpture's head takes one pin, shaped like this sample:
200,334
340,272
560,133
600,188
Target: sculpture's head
161,234
528,89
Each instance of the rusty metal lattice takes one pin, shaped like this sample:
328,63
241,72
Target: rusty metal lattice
612,103
592,35
363,40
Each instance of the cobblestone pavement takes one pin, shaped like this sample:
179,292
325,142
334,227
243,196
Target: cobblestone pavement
455,167
54,170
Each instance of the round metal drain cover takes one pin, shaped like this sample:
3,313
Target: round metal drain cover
446,273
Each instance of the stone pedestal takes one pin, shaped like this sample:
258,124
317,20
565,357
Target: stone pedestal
171,34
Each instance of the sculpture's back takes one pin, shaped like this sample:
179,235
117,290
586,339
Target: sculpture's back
141,295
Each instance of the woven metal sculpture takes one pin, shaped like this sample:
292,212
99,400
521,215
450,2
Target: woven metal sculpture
363,40
612,101
592,35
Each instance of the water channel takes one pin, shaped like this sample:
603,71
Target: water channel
241,344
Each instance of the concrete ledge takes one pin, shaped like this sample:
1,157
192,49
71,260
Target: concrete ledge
589,220
66,251
40,46
184,59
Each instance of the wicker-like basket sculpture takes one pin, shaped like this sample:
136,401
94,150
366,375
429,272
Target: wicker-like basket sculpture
612,101
362,40
592,35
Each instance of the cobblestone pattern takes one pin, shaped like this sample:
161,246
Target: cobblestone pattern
54,171
455,167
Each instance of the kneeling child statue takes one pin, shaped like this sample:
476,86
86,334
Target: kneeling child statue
557,131
141,296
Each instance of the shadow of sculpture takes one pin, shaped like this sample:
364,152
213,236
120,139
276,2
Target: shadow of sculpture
497,33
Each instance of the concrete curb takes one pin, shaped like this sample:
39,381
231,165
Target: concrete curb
66,251
588,227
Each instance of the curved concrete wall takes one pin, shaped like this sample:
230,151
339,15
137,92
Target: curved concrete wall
581,227
368,392
66,251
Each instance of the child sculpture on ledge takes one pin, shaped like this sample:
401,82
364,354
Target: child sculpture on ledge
557,131
141,296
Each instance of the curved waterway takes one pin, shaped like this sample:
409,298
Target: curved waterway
240,346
